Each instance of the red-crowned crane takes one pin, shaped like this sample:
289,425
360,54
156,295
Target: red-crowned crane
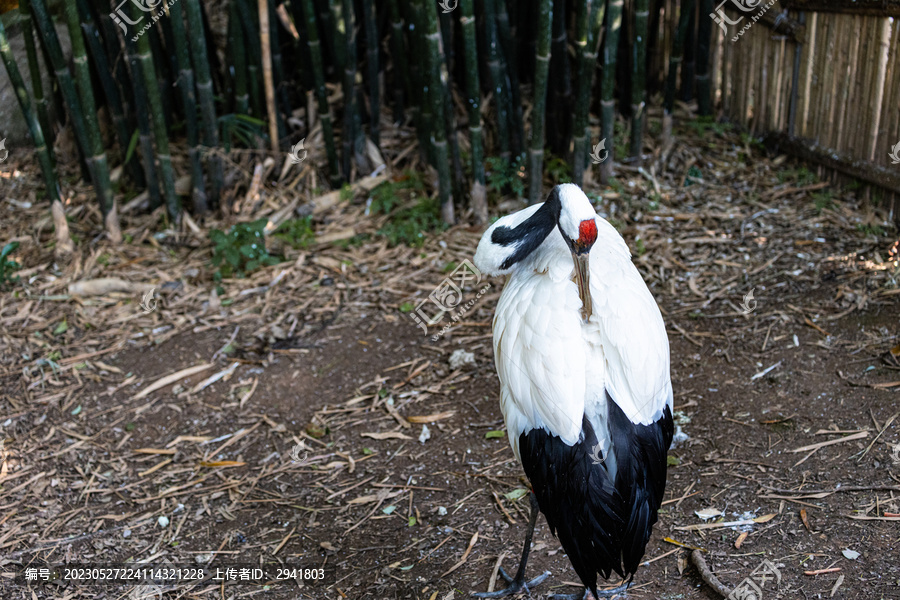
583,360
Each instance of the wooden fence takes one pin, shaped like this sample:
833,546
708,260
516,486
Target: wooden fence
819,78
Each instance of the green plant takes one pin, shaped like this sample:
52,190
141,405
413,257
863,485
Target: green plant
503,175
823,201
412,213
7,265
705,124
241,250
867,229
241,128
800,177
692,174
558,170
297,233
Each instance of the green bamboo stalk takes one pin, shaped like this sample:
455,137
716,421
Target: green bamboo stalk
315,51
608,86
511,76
164,82
559,102
591,50
582,89
541,70
204,94
45,158
371,28
688,64
110,89
146,69
419,79
497,78
34,69
88,108
254,65
187,87
437,82
687,9
354,140
239,58
473,89
704,32
399,71
639,77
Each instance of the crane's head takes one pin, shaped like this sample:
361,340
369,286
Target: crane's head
515,237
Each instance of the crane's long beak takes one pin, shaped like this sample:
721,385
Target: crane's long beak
582,280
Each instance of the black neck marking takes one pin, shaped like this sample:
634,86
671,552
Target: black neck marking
529,234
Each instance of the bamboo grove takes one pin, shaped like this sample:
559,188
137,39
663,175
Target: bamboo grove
473,78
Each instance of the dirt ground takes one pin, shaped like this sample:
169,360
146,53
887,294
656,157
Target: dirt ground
307,452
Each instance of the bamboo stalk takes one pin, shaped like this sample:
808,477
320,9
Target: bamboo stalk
45,159
371,29
204,94
608,85
497,79
110,89
473,89
559,101
704,32
354,141
254,65
281,95
239,57
541,69
511,76
34,69
268,80
315,50
582,90
188,97
88,113
639,78
144,67
688,64
436,85
399,70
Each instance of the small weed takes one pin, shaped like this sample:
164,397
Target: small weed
704,124
558,170
503,175
800,177
693,175
823,201
640,248
240,251
7,265
875,230
408,224
297,233
244,129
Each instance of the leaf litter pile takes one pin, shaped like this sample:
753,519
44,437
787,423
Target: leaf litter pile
260,396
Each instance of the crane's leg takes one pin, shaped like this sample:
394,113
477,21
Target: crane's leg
587,594
518,583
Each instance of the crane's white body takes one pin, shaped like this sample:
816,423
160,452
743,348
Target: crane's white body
554,368
583,360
